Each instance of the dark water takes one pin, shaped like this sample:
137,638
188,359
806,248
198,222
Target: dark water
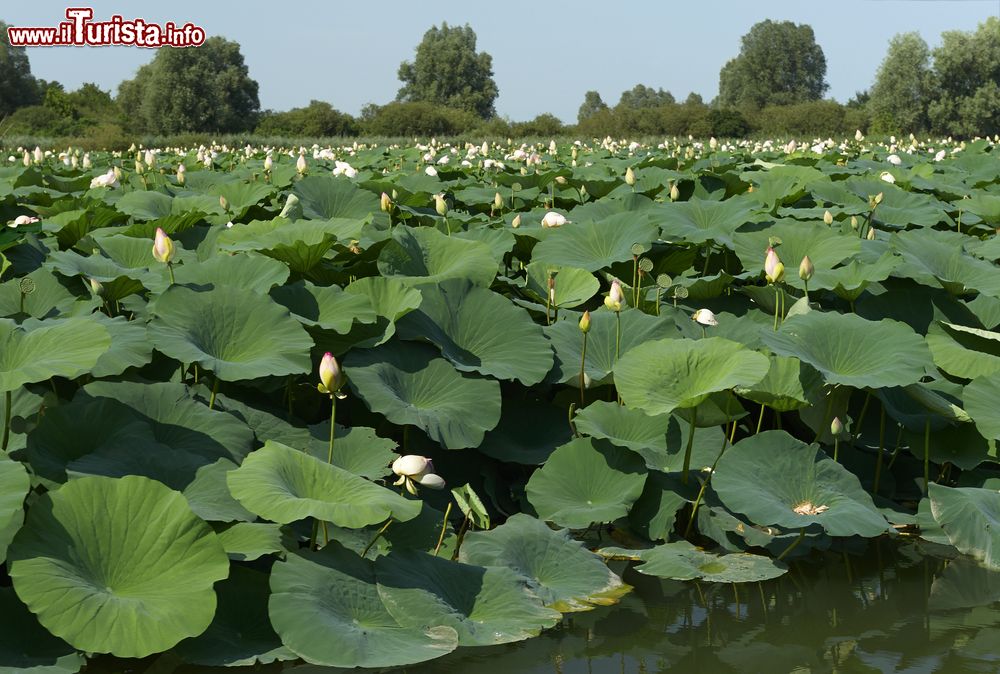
892,608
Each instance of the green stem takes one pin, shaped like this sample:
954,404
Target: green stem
635,277
333,426
704,485
7,397
377,536
170,270
802,534
583,365
836,448
215,390
690,444
807,290
927,453
861,417
826,416
881,451
444,529
777,308
760,419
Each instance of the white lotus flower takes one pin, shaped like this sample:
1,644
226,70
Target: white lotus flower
941,154
413,470
894,159
22,220
858,136
107,180
431,171
704,317
887,177
553,219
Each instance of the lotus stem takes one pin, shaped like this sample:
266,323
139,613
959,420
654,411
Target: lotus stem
215,391
704,485
760,419
7,398
690,444
776,308
377,536
826,415
618,345
836,448
802,534
861,417
881,450
583,365
333,425
444,529
461,536
806,282
635,277
170,270
927,453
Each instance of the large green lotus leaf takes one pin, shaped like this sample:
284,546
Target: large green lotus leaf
586,481
240,634
784,184
980,397
26,647
683,561
932,258
573,286
786,386
247,541
660,440
662,375
593,245
637,328
986,206
499,240
242,195
776,480
563,573
209,497
391,299
118,281
94,558
285,485
423,255
145,205
698,221
850,280
324,197
300,245
962,354
480,331
14,485
484,605
901,209
325,307
326,607
852,351
971,519
133,423
61,348
356,449
654,513
244,270
409,384
48,299
824,247
129,344
235,333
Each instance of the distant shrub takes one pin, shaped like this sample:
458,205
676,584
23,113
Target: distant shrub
318,120
417,119
542,125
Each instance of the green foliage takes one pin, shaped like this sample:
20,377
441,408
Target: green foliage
206,89
17,86
317,120
448,71
592,104
641,96
417,119
902,89
779,63
967,75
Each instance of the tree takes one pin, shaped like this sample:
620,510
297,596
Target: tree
17,87
967,79
447,70
898,100
694,99
779,63
317,120
592,104
199,89
640,96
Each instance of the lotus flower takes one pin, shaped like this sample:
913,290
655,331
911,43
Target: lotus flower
585,322
887,177
300,164
615,297
440,205
516,222
109,179
704,317
836,427
774,270
806,269
629,176
181,170
553,219
163,247
385,203
675,193
413,470
894,159
858,136
331,377
268,163
22,220
827,218
431,171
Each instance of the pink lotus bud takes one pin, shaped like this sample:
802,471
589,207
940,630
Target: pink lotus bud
615,297
163,247
330,374
774,270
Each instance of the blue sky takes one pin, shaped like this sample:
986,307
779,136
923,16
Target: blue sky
545,54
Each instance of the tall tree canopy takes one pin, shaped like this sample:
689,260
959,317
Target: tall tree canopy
17,87
898,100
201,89
640,96
592,104
967,78
779,63
447,70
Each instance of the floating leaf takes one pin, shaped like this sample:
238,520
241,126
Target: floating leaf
63,348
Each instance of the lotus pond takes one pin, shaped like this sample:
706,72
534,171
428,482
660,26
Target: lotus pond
375,406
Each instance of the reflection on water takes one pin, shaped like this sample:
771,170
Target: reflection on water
895,608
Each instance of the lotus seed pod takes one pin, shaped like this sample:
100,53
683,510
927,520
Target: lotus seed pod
645,265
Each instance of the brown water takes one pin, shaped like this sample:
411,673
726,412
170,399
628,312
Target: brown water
891,608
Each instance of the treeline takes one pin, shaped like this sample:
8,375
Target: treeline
773,87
